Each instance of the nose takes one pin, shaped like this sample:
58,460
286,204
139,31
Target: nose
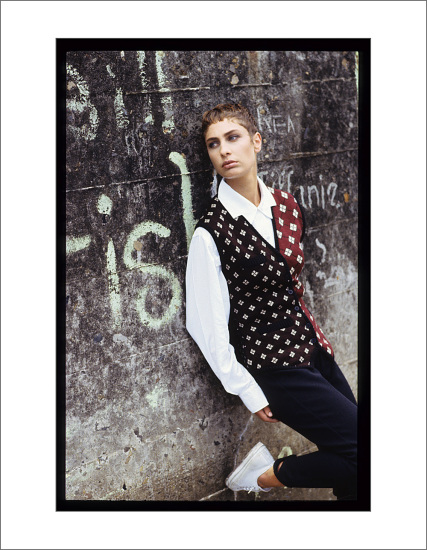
224,149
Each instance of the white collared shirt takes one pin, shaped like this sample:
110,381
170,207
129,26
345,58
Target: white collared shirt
208,300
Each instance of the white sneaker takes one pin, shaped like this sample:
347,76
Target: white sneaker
245,476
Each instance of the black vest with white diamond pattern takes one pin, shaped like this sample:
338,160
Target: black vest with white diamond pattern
270,325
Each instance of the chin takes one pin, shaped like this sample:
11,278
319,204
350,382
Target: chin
233,174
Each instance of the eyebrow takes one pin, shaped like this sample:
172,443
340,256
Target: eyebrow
226,134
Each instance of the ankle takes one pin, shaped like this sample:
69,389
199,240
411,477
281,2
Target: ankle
268,479
260,482
265,478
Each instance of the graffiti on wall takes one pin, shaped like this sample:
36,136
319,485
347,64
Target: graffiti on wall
85,128
310,196
132,259
275,124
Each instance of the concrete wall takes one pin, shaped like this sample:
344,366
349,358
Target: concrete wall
146,417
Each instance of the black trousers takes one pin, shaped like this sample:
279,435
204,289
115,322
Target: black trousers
317,402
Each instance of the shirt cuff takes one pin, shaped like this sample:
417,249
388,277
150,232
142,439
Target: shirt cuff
254,398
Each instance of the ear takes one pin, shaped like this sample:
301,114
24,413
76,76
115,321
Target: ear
257,141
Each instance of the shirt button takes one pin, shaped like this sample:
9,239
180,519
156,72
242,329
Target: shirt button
313,341
307,326
290,291
296,308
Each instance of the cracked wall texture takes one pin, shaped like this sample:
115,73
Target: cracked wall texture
146,419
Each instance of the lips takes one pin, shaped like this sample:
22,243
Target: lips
229,163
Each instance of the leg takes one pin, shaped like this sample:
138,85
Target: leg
329,369
307,402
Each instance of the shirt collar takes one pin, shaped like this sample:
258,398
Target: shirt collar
238,205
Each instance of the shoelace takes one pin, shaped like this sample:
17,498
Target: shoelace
250,489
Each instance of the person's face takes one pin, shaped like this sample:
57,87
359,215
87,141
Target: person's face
231,149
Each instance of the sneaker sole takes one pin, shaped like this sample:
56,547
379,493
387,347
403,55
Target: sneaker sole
243,464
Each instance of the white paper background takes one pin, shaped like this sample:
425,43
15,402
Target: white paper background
29,30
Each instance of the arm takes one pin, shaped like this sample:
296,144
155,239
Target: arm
208,310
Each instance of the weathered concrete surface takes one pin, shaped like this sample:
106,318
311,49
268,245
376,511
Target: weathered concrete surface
146,417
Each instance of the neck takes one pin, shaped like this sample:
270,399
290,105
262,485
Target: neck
247,187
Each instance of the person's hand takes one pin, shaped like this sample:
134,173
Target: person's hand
266,415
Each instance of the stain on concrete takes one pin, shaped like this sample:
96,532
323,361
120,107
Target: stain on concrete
202,424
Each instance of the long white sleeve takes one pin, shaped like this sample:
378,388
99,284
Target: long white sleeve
208,310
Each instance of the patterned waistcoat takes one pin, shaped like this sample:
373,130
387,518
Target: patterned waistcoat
270,325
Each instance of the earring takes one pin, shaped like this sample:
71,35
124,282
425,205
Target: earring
214,185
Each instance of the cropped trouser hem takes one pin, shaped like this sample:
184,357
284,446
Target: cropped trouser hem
276,468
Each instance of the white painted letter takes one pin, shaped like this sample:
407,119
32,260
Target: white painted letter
113,284
301,188
79,105
168,122
119,108
323,248
187,201
157,271
334,187
74,244
309,190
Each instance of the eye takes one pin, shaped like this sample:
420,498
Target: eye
212,144
233,137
